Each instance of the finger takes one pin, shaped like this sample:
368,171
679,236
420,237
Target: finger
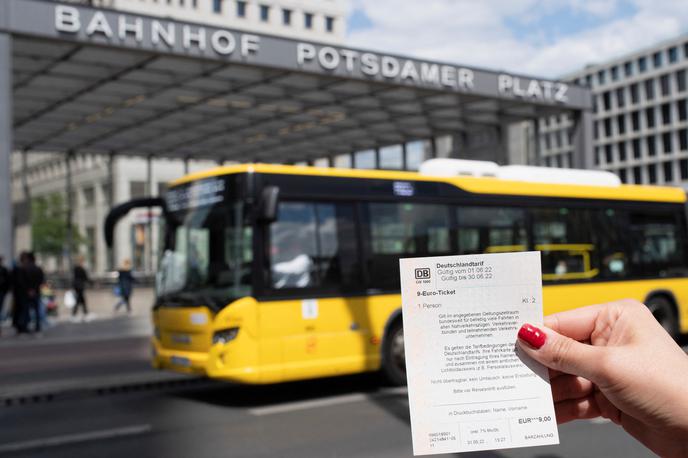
577,324
562,353
570,387
576,409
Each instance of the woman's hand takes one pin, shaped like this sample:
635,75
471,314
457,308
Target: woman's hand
614,360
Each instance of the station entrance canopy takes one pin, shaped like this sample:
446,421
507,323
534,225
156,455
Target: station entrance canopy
89,80
76,79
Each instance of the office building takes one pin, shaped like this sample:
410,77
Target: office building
640,117
313,20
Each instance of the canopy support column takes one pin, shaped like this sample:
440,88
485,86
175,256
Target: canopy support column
6,216
25,184
583,154
537,151
69,239
111,251
404,156
148,256
186,165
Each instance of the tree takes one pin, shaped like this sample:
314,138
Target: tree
49,226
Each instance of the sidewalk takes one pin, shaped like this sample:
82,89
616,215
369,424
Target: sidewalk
64,327
101,303
104,352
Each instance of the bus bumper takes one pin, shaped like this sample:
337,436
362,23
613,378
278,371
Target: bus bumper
187,362
214,363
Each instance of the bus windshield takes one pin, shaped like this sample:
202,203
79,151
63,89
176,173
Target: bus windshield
211,258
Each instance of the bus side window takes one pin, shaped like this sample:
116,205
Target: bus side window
313,245
657,244
566,240
398,230
293,246
491,230
338,260
613,243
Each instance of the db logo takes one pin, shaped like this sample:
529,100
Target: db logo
422,273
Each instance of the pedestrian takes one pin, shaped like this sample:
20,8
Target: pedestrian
19,315
125,284
5,284
615,361
32,278
80,280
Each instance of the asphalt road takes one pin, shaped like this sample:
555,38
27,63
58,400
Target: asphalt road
341,417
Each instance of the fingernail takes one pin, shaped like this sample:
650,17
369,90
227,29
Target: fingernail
535,337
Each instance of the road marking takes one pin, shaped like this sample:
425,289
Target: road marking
325,402
76,438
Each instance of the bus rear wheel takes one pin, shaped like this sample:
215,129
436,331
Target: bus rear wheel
393,358
665,314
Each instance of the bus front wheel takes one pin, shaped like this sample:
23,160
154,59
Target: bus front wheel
665,314
393,359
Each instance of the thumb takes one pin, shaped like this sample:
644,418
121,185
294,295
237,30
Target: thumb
559,352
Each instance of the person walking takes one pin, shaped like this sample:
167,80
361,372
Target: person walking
125,283
19,313
80,280
32,280
5,284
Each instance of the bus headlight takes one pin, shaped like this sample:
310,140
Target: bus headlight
225,335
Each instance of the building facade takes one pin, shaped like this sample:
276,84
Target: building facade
640,117
93,178
315,20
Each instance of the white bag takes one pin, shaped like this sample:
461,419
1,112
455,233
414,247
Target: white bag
69,299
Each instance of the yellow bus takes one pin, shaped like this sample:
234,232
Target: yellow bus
273,273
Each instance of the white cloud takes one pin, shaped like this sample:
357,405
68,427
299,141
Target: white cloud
477,32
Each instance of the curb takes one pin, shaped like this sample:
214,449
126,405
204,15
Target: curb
147,383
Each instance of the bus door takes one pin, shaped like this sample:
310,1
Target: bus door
314,271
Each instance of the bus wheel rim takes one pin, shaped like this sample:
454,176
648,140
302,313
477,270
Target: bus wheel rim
397,351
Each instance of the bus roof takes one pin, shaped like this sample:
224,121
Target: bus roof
478,185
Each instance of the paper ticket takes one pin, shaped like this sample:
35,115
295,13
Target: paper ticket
469,389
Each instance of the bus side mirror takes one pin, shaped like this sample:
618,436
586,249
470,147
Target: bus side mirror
268,204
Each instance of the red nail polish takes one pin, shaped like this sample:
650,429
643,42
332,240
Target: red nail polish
535,337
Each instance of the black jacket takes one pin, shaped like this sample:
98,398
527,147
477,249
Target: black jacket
5,279
28,281
80,279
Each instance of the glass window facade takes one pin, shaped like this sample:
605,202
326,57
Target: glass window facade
673,54
241,9
657,59
264,13
628,69
642,64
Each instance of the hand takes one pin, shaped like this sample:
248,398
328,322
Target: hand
614,360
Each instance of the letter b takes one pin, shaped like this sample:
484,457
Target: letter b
67,19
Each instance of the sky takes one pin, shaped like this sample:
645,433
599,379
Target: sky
548,38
